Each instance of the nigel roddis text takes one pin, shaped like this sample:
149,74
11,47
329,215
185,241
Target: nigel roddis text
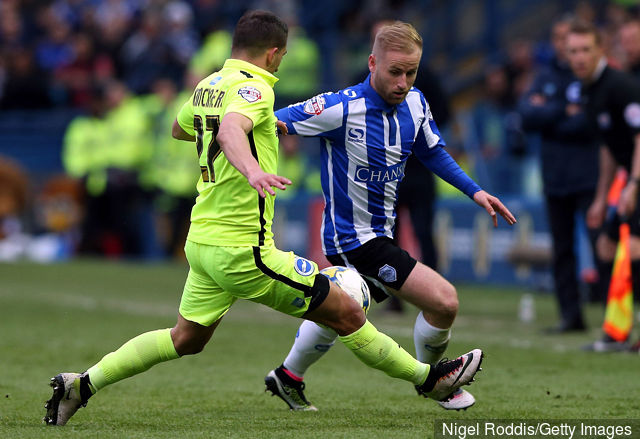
208,97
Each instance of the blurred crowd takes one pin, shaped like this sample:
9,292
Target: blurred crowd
126,66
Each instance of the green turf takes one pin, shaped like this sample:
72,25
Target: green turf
58,318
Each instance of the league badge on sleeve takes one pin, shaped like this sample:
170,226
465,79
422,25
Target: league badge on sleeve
250,94
315,105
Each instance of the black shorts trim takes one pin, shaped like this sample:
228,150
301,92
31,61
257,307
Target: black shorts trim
381,259
279,277
319,291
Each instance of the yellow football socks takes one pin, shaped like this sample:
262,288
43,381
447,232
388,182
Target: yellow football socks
379,351
133,357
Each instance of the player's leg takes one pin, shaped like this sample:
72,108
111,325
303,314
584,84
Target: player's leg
328,305
388,264
438,301
311,343
391,266
379,351
416,283
202,306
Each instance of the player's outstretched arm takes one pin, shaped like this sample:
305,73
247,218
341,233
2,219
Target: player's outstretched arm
233,142
492,205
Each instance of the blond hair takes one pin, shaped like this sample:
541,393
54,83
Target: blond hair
398,36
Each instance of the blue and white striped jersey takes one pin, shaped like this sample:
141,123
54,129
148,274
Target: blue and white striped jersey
365,146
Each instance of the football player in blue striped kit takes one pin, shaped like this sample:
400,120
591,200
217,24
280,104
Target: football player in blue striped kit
367,132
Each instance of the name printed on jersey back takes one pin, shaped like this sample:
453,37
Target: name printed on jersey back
208,97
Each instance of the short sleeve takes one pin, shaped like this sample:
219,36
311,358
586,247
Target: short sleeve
317,116
185,117
253,100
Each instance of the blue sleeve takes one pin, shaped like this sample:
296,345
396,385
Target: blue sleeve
318,116
444,166
283,115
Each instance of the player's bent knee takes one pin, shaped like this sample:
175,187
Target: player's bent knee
350,318
189,338
188,345
447,306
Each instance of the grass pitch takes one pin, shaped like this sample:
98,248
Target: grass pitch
59,318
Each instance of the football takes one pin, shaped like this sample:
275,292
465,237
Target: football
351,282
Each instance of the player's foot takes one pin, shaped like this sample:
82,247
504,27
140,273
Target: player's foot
458,400
447,376
288,389
66,399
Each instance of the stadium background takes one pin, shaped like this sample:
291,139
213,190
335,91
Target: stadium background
142,56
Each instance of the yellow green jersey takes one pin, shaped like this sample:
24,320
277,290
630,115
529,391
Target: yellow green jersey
228,211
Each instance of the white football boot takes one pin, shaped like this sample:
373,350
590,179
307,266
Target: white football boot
66,399
447,376
458,400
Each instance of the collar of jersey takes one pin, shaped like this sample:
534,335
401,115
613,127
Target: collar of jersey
239,64
371,94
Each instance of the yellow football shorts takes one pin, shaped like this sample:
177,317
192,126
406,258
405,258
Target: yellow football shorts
218,276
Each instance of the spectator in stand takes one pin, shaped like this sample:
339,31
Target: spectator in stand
569,155
55,49
86,68
12,33
145,55
108,150
25,86
498,130
172,170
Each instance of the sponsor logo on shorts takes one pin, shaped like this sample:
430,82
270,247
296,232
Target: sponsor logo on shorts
387,273
298,302
250,94
303,266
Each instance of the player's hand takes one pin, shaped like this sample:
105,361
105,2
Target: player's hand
261,182
492,205
282,127
628,197
596,213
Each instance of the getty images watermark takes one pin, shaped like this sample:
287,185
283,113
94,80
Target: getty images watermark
537,428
